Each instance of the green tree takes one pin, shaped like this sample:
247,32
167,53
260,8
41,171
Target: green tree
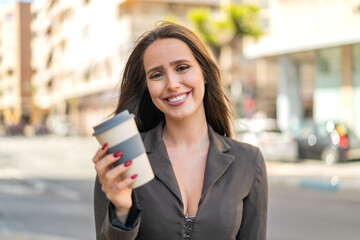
223,30
226,26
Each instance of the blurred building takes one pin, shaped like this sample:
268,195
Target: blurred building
308,63
15,69
78,51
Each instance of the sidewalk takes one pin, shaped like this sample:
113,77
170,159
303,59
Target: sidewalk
54,156
48,156
314,174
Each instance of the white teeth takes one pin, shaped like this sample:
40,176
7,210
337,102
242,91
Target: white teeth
177,98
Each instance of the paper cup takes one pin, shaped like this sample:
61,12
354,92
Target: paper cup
121,134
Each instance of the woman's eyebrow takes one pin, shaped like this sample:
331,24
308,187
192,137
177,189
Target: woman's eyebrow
178,61
153,69
171,64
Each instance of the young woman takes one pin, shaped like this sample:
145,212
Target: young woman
207,185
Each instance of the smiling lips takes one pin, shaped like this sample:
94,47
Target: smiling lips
177,100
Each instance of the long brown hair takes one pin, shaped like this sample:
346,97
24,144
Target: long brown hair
135,97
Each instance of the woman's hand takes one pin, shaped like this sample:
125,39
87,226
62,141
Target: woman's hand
114,184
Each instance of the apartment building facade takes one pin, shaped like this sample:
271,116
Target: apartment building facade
79,49
15,69
308,62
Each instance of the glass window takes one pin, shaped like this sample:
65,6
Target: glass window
9,16
356,86
263,3
327,85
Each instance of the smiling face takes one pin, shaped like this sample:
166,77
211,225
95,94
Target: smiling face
174,79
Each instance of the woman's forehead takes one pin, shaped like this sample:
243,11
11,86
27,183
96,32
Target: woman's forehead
165,51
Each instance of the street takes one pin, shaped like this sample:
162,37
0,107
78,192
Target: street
299,214
46,209
50,209
46,185
46,193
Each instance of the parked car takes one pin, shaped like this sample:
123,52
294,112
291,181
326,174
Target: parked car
329,141
274,144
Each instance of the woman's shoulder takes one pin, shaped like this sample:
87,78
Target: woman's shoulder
246,156
237,147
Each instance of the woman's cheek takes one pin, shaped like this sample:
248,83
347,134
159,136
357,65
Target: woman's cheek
155,90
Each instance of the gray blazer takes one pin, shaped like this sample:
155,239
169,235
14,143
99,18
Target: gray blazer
233,203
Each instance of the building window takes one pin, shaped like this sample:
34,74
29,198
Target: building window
50,83
327,84
65,15
85,33
10,72
86,74
33,34
263,3
264,23
8,17
48,31
34,15
52,3
49,61
356,86
62,45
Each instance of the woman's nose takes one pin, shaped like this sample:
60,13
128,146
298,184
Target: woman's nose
173,82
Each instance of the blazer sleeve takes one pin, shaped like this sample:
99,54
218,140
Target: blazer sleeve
107,226
254,220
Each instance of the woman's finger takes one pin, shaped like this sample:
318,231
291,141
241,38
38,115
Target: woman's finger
115,187
104,164
117,171
100,153
107,160
125,183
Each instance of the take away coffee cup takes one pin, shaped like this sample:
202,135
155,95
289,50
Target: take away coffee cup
121,134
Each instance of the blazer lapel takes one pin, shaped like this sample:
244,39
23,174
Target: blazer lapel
216,164
159,159
217,161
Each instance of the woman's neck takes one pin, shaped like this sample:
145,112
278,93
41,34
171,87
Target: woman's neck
186,133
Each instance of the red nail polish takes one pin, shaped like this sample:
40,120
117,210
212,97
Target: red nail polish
128,163
118,154
104,146
134,176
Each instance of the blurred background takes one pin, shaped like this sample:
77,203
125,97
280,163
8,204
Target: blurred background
290,67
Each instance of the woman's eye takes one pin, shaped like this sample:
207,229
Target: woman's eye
155,75
182,68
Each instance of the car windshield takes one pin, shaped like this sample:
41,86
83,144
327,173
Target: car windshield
322,129
304,130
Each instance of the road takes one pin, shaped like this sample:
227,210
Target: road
46,185
297,213
46,193
50,209
46,209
